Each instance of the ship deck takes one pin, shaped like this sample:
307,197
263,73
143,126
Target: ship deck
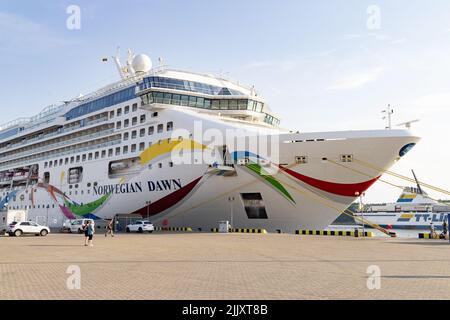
222,266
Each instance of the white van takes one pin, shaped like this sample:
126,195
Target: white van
77,225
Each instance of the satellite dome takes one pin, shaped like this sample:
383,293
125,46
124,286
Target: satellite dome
142,63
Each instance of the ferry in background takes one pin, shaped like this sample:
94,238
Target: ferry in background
414,210
111,153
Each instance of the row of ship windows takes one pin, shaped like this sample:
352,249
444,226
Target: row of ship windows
126,110
151,129
134,121
185,85
118,112
346,158
204,103
111,152
96,155
101,103
211,104
25,207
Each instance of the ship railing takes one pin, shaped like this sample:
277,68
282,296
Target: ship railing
57,144
65,130
103,119
64,153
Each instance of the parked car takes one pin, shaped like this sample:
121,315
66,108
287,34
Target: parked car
27,227
66,225
140,226
77,225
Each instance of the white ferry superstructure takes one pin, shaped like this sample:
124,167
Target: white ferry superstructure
111,153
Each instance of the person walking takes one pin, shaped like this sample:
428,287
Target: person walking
89,231
432,231
110,228
445,228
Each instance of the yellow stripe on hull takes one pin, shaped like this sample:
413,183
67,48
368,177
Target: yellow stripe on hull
166,146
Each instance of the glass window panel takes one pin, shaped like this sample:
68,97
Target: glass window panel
233,104
258,106
184,100
159,97
215,104
200,102
207,104
242,105
223,104
167,98
192,101
176,99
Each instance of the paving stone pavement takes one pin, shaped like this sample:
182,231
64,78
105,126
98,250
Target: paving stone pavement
222,266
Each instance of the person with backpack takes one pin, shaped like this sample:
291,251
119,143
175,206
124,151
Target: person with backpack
89,231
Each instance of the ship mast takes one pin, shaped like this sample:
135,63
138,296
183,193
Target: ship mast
389,111
419,189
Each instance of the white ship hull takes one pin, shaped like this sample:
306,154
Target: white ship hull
203,198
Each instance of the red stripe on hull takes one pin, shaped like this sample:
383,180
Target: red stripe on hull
168,201
341,189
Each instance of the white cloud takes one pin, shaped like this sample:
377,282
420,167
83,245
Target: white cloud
374,35
379,36
22,34
357,80
257,64
398,41
326,53
352,36
433,102
12,22
285,65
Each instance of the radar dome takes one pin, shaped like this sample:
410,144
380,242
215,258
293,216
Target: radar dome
142,63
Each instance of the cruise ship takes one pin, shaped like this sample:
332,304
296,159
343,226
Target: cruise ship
184,149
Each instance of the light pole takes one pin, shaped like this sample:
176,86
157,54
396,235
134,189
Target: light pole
46,222
361,209
231,200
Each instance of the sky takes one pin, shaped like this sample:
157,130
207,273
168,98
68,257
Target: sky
321,65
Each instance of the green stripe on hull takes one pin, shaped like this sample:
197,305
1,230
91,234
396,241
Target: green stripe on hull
81,210
274,182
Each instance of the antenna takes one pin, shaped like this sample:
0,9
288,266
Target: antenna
408,123
417,182
389,111
130,68
118,64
